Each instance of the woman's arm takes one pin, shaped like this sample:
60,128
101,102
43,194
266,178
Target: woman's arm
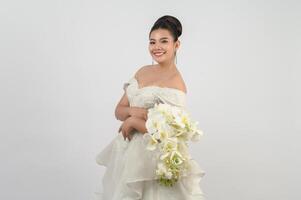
138,124
122,112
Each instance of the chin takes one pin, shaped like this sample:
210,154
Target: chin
160,60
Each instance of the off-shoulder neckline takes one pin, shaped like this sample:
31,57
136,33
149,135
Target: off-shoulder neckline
156,86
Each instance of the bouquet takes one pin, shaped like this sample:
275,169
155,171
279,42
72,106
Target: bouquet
169,128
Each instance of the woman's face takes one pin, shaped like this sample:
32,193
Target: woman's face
161,46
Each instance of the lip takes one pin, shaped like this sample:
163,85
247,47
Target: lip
159,52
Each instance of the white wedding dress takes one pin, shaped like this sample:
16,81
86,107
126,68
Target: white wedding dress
130,166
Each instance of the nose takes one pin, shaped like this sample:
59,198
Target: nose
157,47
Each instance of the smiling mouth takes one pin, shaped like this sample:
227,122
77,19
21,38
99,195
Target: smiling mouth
159,54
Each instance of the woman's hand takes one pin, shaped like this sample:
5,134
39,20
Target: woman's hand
138,112
126,128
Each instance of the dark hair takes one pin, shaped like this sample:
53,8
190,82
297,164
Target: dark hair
170,23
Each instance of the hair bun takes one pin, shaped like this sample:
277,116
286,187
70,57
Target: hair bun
175,23
171,23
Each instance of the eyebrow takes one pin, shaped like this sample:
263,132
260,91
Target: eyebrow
160,38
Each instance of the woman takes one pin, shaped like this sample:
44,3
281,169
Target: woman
129,165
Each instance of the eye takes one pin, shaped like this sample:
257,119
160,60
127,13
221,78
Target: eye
152,43
164,41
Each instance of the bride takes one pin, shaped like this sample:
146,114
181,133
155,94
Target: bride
129,165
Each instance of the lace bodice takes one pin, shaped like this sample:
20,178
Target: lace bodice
147,96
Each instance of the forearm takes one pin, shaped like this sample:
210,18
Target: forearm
139,124
124,112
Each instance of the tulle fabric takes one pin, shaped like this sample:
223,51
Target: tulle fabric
130,174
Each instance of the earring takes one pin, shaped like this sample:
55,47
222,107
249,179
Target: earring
176,56
152,61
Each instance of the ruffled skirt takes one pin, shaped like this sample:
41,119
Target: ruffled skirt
130,174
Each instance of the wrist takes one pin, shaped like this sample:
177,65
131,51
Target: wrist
133,121
130,120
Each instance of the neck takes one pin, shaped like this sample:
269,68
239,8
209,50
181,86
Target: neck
167,65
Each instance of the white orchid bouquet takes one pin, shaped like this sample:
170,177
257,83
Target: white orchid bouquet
169,128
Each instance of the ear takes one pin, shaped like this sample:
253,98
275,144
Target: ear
178,43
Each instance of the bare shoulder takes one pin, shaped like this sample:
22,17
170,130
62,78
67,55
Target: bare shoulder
142,70
178,82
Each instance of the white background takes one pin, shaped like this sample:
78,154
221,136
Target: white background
63,64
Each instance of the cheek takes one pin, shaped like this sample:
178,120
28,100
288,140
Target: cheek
150,48
170,50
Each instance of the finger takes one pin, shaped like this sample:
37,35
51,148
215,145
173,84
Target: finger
128,136
123,134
